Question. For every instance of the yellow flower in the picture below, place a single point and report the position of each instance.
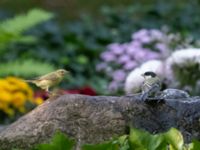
(4, 84)
(3, 105)
(19, 99)
(29, 94)
(14, 93)
(17, 82)
(20, 85)
(5, 108)
(12, 80)
(5, 96)
(38, 100)
(22, 109)
(9, 111)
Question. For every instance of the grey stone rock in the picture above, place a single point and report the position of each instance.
(174, 94)
(93, 119)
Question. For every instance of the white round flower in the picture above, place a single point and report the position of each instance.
(156, 66)
(181, 59)
(134, 79)
(184, 57)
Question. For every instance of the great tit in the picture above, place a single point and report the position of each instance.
(151, 85)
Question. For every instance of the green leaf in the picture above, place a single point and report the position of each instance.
(26, 39)
(59, 142)
(142, 140)
(26, 68)
(174, 138)
(195, 145)
(103, 146)
(82, 59)
(22, 23)
(123, 142)
(12, 29)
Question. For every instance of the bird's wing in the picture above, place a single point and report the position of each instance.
(155, 87)
(148, 91)
(153, 81)
(50, 76)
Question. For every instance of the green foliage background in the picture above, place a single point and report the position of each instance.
(12, 32)
(77, 43)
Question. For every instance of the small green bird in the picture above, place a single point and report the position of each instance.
(49, 80)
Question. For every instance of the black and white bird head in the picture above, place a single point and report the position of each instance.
(149, 74)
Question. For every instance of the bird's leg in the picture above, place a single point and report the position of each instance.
(47, 90)
(51, 93)
(144, 96)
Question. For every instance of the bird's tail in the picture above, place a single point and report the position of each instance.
(29, 81)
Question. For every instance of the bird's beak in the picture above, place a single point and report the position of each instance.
(67, 72)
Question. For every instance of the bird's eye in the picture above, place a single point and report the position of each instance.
(62, 72)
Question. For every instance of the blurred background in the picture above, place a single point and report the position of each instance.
(105, 45)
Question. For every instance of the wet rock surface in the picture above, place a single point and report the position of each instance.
(93, 119)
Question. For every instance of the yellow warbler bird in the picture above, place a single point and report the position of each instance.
(49, 80)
